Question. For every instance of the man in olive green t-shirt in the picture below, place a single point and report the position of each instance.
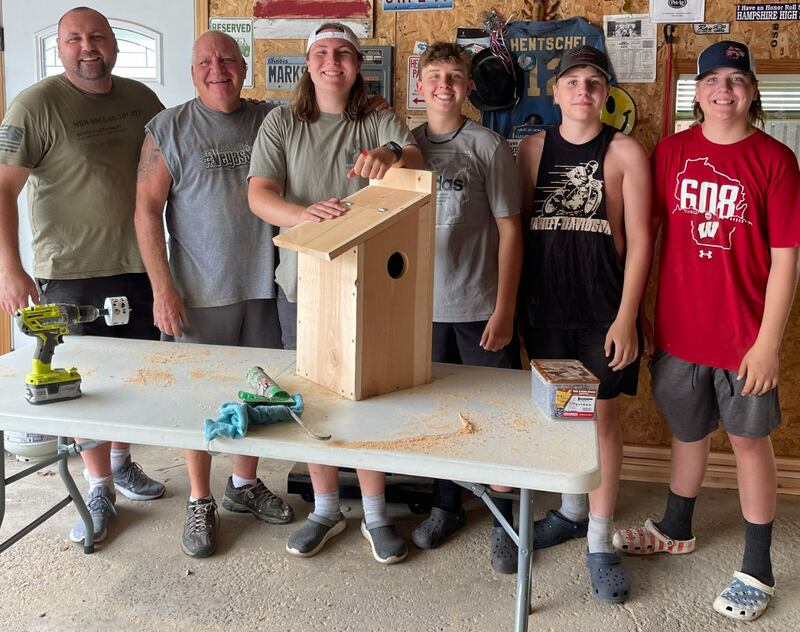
(75, 139)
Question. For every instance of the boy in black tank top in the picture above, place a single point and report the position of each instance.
(586, 210)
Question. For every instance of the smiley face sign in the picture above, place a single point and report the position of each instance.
(619, 110)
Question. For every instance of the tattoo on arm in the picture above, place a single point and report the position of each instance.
(148, 158)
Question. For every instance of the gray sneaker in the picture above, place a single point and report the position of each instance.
(257, 500)
(132, 482)
(100, 503)
(309, 539)
(200, 530)
(387, 547)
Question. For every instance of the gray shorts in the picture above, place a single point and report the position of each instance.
(695, 398)
(247, 324)
(287, 312)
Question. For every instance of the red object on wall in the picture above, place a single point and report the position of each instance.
(324, 9)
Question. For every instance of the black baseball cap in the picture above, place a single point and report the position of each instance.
(725, 54)
(585, 56)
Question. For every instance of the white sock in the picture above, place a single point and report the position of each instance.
(574, 507)
(374, 508)
(327, 505)
(599, 535)
(192, 499)
(118, 457)
(96, 481)
(238, 481)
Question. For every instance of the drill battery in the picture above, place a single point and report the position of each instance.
(57, 385)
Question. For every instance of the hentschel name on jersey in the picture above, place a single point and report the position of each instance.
(535, 44)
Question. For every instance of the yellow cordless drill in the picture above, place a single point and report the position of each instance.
(49, 323)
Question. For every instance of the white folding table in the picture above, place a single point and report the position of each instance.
(469, 424)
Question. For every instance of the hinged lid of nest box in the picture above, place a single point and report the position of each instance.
(373, 209)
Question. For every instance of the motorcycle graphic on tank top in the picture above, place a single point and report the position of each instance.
(580, 194)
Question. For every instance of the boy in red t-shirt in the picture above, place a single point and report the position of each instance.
(727, 197)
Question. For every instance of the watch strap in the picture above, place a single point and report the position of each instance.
(396, 149)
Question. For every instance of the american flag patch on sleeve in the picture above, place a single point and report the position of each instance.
(10, 137)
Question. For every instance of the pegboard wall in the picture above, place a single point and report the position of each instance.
(642, 423)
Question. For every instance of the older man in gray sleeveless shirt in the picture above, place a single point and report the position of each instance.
(217, 286)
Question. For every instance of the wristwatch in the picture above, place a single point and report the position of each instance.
(395, 149)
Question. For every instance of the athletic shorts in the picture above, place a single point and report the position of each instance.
(585, 345)
(287, 312)
(94, 291)
(694, 398)
(458, 343)
(247, 324)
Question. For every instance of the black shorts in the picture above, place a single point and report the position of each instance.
(458, 343)
(585, 345)
(94, 291)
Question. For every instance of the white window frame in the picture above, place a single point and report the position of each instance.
(156, 36)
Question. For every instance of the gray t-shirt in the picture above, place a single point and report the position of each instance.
(477, 182)
(219, 252)
(82, 150)
(310, 162)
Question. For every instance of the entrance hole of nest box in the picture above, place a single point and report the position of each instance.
(396, 265)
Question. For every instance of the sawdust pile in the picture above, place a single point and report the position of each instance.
(418, 443)
(151, 377)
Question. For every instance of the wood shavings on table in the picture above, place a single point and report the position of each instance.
(183, 355)
(466, 425)
(521, 422)
(417, 443)
(214, 376)
(151, 377)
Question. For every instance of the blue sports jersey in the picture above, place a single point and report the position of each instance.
(537, 47)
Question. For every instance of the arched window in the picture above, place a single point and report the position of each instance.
(139, 52)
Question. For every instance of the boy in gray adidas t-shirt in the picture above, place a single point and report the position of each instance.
(478, 258)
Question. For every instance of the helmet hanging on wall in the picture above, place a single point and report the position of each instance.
(498, 84)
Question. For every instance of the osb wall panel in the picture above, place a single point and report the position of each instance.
(642, 423)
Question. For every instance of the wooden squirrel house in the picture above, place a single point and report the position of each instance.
(365, 288)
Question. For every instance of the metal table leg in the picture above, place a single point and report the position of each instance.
(2, 478)
(74, 493)
(64, 452)
(523, 540)
(524, 560)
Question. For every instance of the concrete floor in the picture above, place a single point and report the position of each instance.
(140, 580)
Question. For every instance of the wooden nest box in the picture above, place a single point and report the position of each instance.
(365, 289)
